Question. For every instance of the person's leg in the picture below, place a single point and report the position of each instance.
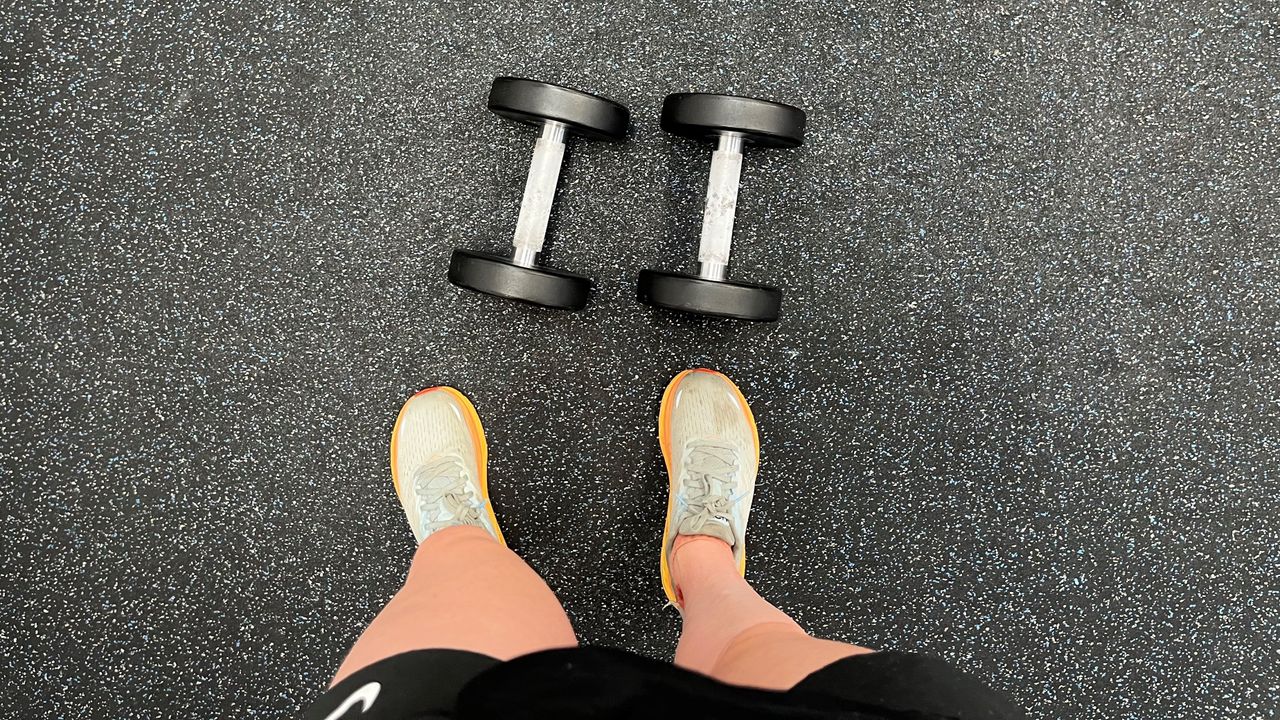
(709, 440)
(465, 589)
(733, 634)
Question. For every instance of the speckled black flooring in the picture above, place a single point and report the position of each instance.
(1022, 411)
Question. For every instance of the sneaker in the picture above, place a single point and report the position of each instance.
(438, 459)
(709, 441)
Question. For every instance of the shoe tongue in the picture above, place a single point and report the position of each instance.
(711, 528)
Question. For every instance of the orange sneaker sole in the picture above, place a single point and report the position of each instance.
(476, 430)
(664, 440)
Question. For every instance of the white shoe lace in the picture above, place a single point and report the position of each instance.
(445, 496)
(709, 489)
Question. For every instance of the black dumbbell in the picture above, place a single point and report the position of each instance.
(558, 111)
(732, 122)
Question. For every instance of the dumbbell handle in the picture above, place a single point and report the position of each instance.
(539, 194)
(722, 205)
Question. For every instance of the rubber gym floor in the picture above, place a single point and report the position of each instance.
(1022, 409)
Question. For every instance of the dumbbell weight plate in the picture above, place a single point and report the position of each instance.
(497, 275)
(535, 102)
(720, 298)
(705, 115)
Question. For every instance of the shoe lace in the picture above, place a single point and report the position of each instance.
(444, 494)
(710, 482)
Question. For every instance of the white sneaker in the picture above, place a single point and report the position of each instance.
(438, 464)
(709, 441)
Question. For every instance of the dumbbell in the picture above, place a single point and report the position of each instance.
(732, 122)
(558, 111)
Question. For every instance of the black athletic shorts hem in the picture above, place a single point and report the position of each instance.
(607, 683)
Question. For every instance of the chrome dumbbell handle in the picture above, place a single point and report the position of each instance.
(722, 205)
(539, 194)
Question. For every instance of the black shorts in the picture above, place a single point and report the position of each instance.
(606, 683)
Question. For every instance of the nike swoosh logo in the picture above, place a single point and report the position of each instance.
(365, 696)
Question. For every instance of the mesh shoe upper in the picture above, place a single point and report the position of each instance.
(438, 459)
(713, 460)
